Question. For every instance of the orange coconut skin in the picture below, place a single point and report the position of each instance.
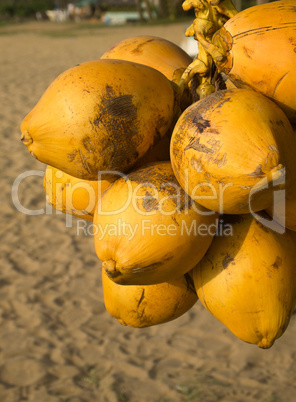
(159, 53)
(100, 115)
(143, 306)
(259, 45)
(247, 280)
(227, 147)
(142, 228)
(71, 195)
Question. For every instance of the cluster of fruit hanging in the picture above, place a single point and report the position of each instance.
(186, 168)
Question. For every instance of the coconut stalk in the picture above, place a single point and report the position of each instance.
(210, 16)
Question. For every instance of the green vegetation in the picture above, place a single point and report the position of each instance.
(92, 377)
(23, 8)
(10, 9)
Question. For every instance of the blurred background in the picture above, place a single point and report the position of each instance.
(101, 11)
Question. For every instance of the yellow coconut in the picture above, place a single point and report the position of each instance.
(143, 306)
(159, 53)
(100, 115)
(247, 279)
(71, 195)
(79, 197)
(147, 230)
(227, 148)
(256, 48)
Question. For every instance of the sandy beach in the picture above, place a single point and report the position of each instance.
(57, 341)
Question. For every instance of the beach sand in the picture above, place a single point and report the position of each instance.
(57, 341)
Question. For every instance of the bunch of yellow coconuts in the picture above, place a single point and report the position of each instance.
(186, 168)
